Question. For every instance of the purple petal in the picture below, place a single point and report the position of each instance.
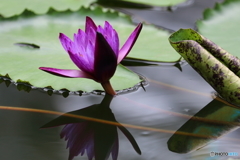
(105, 60)
(83, 55)
(67, 73)
(129, 43)
(90, 148)
(65, 41)
(90, 24)
(80, 139)
(77, 52)
(91, 35)
(82, 62)
(115, 149)
(111, 36)
(80, 42)
(90, 46)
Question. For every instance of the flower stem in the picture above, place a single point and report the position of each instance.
(108, 88)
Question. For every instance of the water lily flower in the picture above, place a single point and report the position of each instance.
(95, 52)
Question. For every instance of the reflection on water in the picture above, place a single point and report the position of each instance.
(160, 111)
(171, 99)
(210, 123)
(92, 130)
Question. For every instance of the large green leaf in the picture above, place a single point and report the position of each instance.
(158, 2)
(15, 7)
(21, 63)
(157, 48)
(218, 67)
(221, 25)
(152, 45)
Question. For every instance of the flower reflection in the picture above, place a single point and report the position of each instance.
(81, 138)
(98, 140)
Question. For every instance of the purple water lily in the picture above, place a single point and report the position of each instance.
(95, 52)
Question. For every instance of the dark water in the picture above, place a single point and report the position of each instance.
(170, 99)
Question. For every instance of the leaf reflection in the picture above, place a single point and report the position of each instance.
(96, 138)
(209, 123)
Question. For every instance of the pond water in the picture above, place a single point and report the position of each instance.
(171, 98)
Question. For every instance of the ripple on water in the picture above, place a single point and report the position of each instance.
(145, 133)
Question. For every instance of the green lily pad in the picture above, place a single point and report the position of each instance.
(21, 62)
(158, 3)
(152, 45)
(15, 7)
(221, 25)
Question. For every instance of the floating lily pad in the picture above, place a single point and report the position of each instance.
(15, 7)
(153, 45)
(20, 60)
(221, 25)
(158, 2)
